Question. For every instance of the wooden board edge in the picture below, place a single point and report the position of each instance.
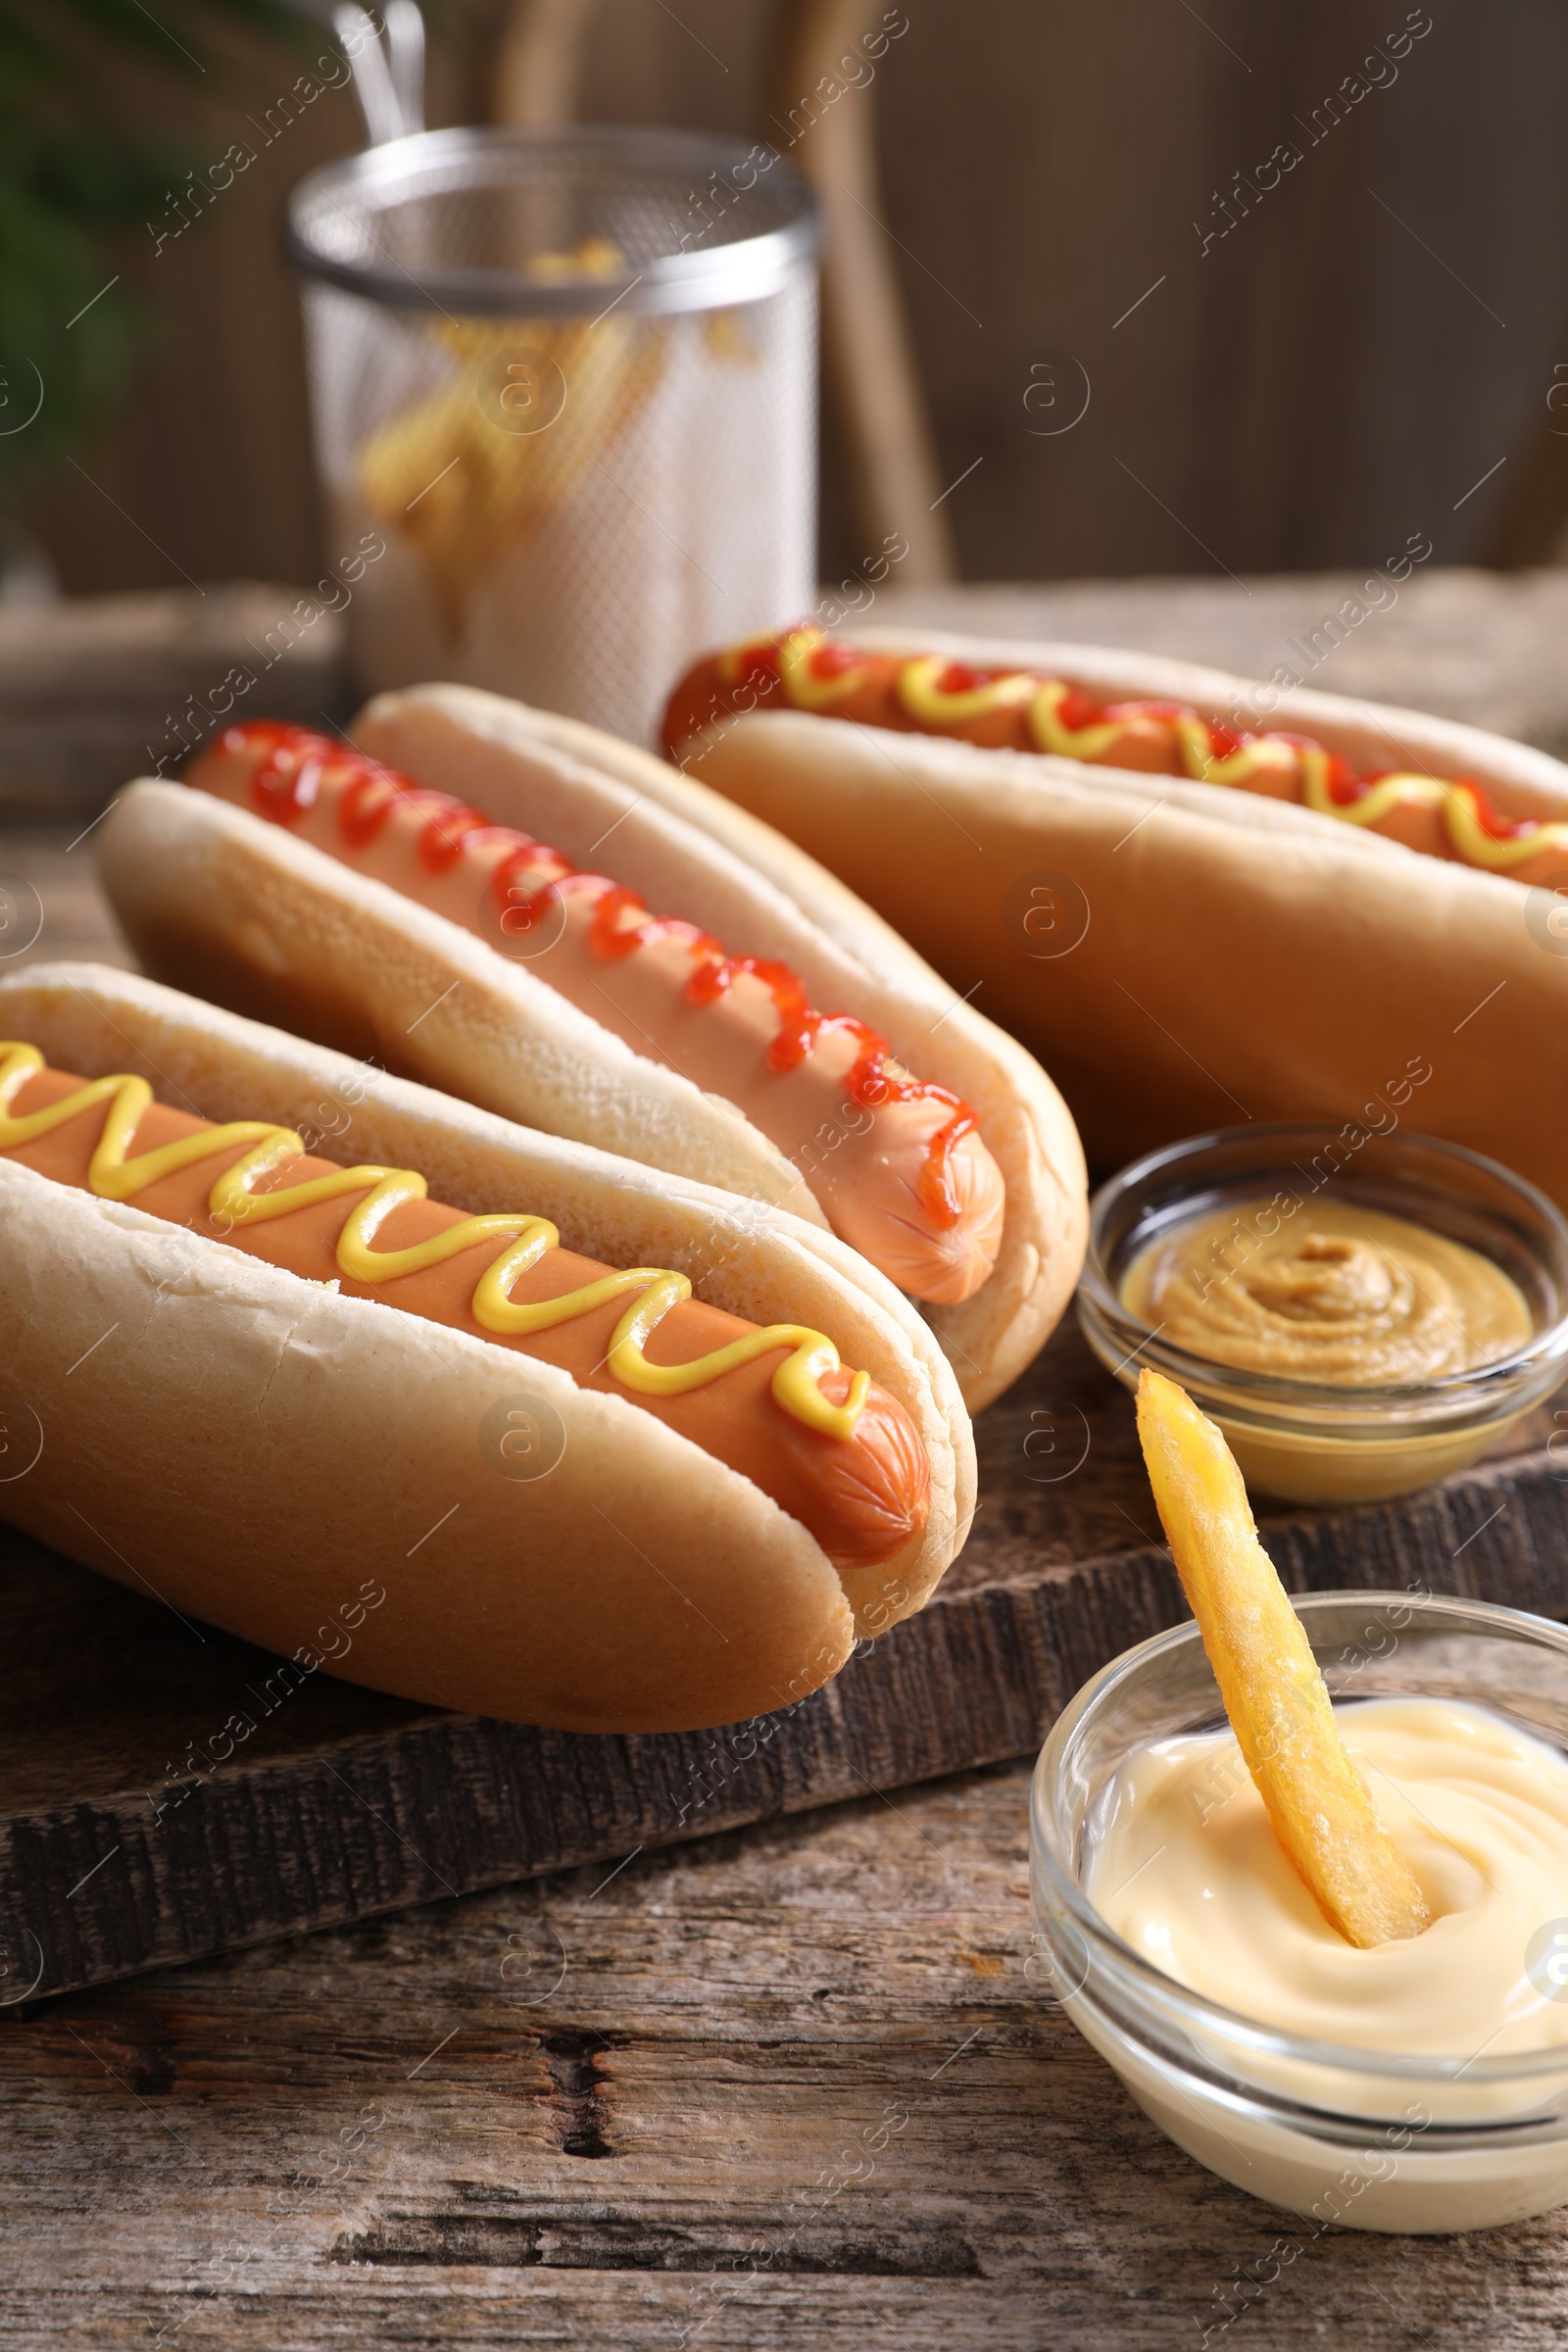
(101, 1888)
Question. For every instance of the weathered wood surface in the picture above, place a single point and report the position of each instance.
(97, 689)
(796, 2086)
(644, 2106)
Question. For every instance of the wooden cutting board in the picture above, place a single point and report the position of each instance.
(164, 1796)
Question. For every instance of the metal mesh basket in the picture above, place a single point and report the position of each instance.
(564, 393)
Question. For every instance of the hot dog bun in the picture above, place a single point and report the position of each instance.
(219, 901)
(1186, 955)
(252, 1446)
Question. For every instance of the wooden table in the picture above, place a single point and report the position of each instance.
(797, 2085)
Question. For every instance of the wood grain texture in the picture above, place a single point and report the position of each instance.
(797, 2086)
(867, 358)
(96, 690)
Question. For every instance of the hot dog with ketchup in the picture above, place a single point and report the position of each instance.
(244, 1266)
(915, 1190)
(1029, 709)
(555, 925)
(1201, 902)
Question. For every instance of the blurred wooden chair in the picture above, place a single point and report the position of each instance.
(868, 357)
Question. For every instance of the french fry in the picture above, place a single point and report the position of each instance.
(462, 492)
(1274, 1694)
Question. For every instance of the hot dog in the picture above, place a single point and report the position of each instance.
(793, 1494)
(1202, 902)
(843, 1460)
(559, 927)
(1029, 709)
(916, 1190)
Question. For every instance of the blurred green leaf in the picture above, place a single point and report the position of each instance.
(73, 172)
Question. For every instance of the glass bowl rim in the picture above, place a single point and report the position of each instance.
(1337, 1402)
(1195, 2011)
(738, 269)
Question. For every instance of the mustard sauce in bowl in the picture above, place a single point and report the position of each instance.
(1362, 1313)
(1340, 1292)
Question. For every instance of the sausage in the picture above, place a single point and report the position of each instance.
(1026, 711)
(804, 670)
(897, 1164)
(863, 1497)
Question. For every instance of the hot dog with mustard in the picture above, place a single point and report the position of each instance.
(1021, 708)
(1201, 901)
(740, 1490)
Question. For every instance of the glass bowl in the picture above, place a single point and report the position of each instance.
(1345, 2136)
(1304, 1439)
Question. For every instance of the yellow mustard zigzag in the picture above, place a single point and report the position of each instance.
(929, 703)
(114, 1176)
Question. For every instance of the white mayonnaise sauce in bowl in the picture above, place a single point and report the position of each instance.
(1417, 2085)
